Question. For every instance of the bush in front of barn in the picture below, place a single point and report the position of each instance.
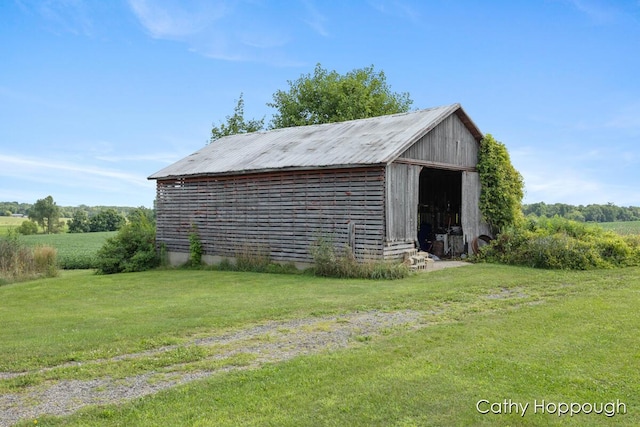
(132, 249)
(559, 243)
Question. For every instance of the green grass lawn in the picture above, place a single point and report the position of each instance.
(493, 333)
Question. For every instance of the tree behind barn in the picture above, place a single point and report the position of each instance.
(328, 97)
(324, 97)
(236, 123)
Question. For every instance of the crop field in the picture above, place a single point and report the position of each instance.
(8, 222)
(622, 227)
(477, 345)
(75, 250)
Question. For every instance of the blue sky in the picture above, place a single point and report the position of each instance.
(97, 95)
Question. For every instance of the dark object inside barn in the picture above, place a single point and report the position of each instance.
(440, 212)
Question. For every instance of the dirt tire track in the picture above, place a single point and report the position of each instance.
(286, 340)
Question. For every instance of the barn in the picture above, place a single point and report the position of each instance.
(380, 186)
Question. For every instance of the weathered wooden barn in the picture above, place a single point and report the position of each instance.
(372, 184)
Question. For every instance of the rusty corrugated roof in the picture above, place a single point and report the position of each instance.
(376, 140)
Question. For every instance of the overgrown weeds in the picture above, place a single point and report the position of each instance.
(21, 262)
(332, 262)
(44, 259)
(256, 258)
(328, 262)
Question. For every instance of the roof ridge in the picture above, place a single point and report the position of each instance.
(370, 141)
(348, 121)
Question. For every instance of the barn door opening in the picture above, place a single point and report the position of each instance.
(439, 212)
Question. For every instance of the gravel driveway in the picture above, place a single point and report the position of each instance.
(268, 342)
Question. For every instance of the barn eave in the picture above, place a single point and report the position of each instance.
(266, 171)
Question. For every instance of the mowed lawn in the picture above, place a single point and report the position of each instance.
(490, 333)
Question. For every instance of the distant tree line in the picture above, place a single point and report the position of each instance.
(11, 208)
(83, 219)
(588, 213)
(105, 220)
(14, 208)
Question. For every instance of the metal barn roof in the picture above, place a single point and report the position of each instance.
(376, 140)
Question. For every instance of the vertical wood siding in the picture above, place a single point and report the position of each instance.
(284, 212)
(403, 183)
(472, 223)
(450, 142)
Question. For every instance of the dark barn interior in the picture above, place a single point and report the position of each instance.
(439, 211)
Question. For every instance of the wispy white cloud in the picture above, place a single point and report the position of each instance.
(261, 35)
(36, 168)
(166, 158)
(177, 19)
(199, 24)
(316, 20)
(73, 182)
(63, 16)
(225, 30)
(596, 11)
(575, 177)
(29, 98)
(565, 186)
(626, 118)
(397, 8)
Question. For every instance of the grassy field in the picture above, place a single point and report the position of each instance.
(622, 227)
(487, 333)
(8, 222)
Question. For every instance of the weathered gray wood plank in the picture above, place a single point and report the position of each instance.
(285, 211)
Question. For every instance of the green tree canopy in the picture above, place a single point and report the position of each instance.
(47, 214)
(79, 222)
(106, 220)
(502, 185)
(236, 123)
(327, 97)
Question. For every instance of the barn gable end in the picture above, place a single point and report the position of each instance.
(448, 145)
